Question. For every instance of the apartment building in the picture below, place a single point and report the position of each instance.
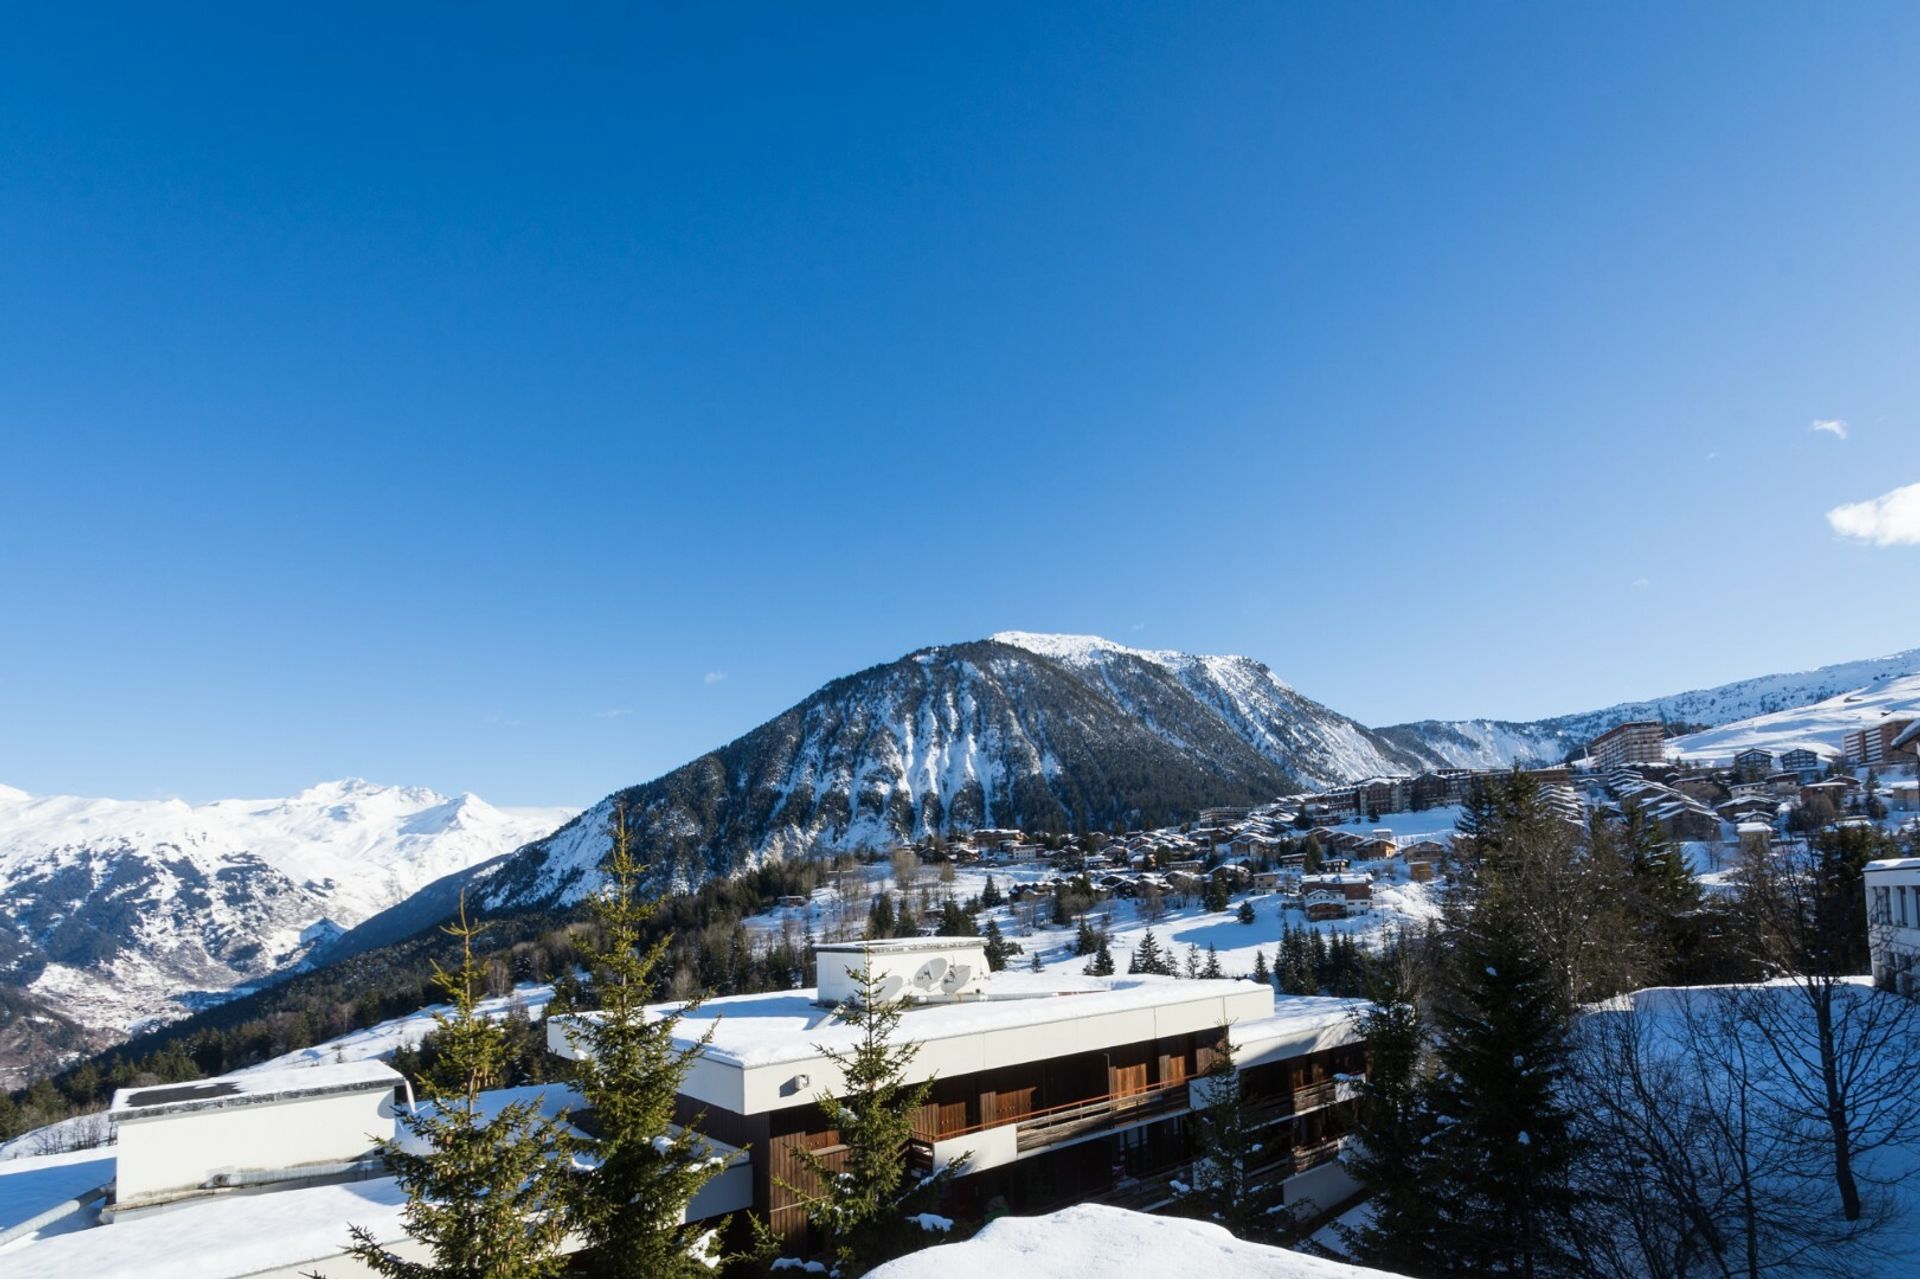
(1640, 742)
(1752, 765)
(1878, 745)
(1893, 923)
(1057, 1089)
(1802, 761)
(1336, 895)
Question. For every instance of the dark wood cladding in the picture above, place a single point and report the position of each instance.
(1154, 1072)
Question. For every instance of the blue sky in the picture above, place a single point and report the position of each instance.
(526, 401)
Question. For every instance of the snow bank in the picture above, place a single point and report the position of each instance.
(1095, 1240)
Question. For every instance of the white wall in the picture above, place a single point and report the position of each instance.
(181, 1151)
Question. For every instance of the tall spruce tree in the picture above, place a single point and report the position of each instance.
(1503, 1148)
(486, 1193)
(998, 948)
(1665, 895)
(868, 1195)
(1101, 965)
(1391, 1155)
(644, 1171)
(1149, 958)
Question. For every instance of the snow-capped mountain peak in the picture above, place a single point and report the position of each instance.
(1046, 732)
(119, 909)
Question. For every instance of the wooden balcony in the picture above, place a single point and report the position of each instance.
(1143, 1194)
(1064, 1123)
(1305, 1157)
(1038, 1129)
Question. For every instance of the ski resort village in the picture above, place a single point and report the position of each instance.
(1648, 1009)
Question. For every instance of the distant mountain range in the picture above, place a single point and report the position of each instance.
(1483, 743)
(1053, 732)
(1043, 732)
(118, 912)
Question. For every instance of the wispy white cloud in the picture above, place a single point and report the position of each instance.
(613, 712)
(713, 677)
(1892, 519)
(1714, 456)
(1138, 626)
(1641, 583)
(1831, 425)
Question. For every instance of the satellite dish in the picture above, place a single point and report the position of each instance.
(957, 976)
(890, 988)
(930, 973)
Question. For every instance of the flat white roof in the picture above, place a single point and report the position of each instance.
(790, 1026)
(254, 1087)
(900, 945)
(222, 1237)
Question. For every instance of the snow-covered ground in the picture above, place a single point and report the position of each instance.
(1818, 727)
(1892, 1170)
(837, 913)
(1093, 1240)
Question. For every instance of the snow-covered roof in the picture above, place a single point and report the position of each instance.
(254, 1087)
(218, 1238)
(791, 1026)
(1092, 1239)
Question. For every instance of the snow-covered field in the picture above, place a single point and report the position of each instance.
(1890, 1172)
(1818, 727)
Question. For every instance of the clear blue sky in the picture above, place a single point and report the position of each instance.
(525, 399)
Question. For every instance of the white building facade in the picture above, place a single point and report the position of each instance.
(1893, 923)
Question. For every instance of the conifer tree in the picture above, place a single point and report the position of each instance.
(1085, 942)
(1212, 967)
(997, 948)
(1246, 915)
(485, 1194)
(628, 1205)
(1221, 1186)
(1034, 964)
(1503, 1146)
(905, 923)
(955, 922)
(1148, 957)
(990, 894)
(1190, 966)
(1666, 894)
(1261, 973)
(880, 916)
(1391, 1155)
(869, 1194)
(1101, 965)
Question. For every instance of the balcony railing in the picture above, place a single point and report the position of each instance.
(1040, 1128)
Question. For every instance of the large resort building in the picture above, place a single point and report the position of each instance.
(1056, 1089)
(1640, 742)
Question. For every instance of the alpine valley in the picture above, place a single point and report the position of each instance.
(123, 913)
(120, 913)
(1055, 732)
